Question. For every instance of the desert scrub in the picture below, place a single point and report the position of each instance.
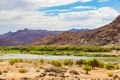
(80, 62)
(1, 60)
(117, 66)
(35, 64)
(19, 60)
(0, 72)
(109, 66)
(13, 61)
(110, 74)
(5, 71)
(87, 68)
(23, 71)
(42, 61)
(94, 63)
(37, 70)
(68, 62)
(56, 63)
(28, 61)
(12, 79)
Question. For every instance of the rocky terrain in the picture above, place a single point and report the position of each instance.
(107, 35)
(34, 70)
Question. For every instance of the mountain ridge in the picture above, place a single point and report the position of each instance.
(22, 37)
(103, 36)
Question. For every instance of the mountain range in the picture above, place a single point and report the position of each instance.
(22, 37)
(106, 35)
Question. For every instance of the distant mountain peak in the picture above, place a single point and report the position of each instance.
(117, 20)
(79, 30)
(22, 37)
(26, 29)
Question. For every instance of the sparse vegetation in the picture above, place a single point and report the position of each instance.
(68, 62)
(60, 66)
(117, 66)
(56, 63)
(110, 74)
(1, 72)
(42, 61)
(13, 61)
(109, 66)
(1, 60)
(5, 71)
(87, 68)
(80, 62)
(94, 63)
(23, 70)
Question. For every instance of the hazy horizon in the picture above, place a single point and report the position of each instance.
(56, 15)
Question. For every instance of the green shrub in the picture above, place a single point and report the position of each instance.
(101, 65)
(42, 61)
(80, 62)
(56, 63)
(117, 66)
(12, 61)
(110, 74)
(68, 62)
(28, 61)
(1, 60)
(109, 66)
(23, 70)
(19, 60)
(94, 63)
(35, 64)
(87, 68)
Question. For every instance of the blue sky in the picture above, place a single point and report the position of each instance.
(56, 14)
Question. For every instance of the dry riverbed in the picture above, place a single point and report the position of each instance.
(35, 70)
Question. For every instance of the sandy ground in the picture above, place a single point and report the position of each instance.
(11, 72)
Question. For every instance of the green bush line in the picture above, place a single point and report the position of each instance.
(61, 50)
(58, 48)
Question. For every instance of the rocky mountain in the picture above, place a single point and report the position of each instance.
(22, 37)
(106, 35)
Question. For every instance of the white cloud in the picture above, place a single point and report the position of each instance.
(93, 18)
(85, 7)
(34, 4)
(13, 4)
(35, 19)
(103, 0)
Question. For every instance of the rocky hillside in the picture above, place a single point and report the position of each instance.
(106, 35)
(22, 37)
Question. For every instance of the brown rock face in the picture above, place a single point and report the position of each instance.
(106, 35)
